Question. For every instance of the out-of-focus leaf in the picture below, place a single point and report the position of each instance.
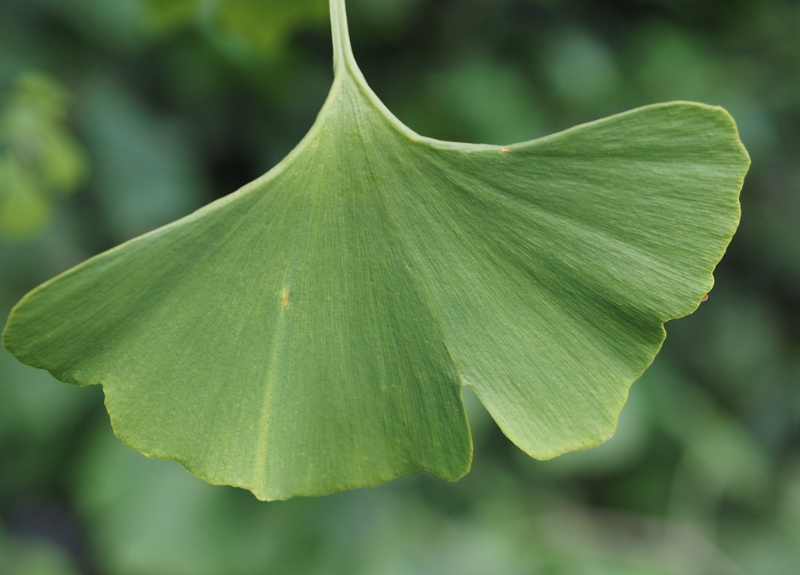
(39, 158)
(252, 26)
(165, 16)
(22, 207)
(266, 25)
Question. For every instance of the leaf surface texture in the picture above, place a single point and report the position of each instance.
(312, 331)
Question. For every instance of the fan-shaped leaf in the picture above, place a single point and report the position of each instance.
(311, 332)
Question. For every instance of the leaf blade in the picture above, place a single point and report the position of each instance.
(561, 211)
(311, 332)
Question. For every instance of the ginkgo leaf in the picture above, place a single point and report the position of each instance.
(312, 331)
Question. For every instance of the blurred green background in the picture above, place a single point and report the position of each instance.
(120, 116)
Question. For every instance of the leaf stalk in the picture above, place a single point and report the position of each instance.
(342, 50)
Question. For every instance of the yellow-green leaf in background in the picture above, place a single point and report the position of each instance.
(39, 158)
(23, 208)
(266, 26)
(312, 331)
(169, 15)
(263, 26)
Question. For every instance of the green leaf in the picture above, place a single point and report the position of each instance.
(39, 158)
(312, 331)
(263, 26)
(266, 25)
(22, 207)
(164, 16)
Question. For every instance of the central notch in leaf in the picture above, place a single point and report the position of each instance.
(540, 274)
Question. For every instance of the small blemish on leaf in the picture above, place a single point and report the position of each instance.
(705, 298)
(505, 149)
(285, 297)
